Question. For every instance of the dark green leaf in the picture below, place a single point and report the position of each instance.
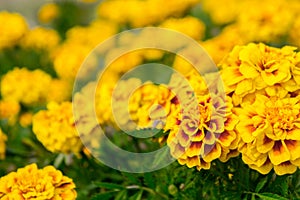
(103, 196)
(149, 180)
(261, 184)
(137, 196)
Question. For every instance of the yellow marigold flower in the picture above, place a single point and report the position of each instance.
(149, 105)
(16, 84)
(190, 26)
(68, 59)
(223, 12)
(93, 34)
(259, 20)
(199, 136)
(13, 27)
(256, 67)
(41, 39)
(269, 131)
(48, 12)
(59, 90)
(25, 119)
(3, 139)
(142, 13)
(9, 110)
(55, 128)
(33, 183)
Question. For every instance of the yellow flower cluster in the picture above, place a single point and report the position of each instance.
(263, 82)
(9, 110)
(33, 183)
(55, 128)
(13, 28)
(16, 84)
(142, 13)
(3, 139)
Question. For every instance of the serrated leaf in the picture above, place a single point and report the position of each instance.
(137, 196)
(270, 196)
(103, 196)
(109, 185)
(261, 184)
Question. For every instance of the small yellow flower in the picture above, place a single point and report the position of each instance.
(48, 12)
(33, 183)
(3, 139)
(41, 39)
(59, 90)
(55, 128)
(13, 27)
(25, 119)
(9, 110)
(16, 84)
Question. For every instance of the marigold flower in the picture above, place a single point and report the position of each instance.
(13, 27)
(55, 128)
(41, 39)
(190, 26)
(269, 134)
(3, 139)
(48, 12)
(59, 90)
(17, 82)
(25, 119)
(33, 183)
(257, 67)
(199, 136)
(9, 110)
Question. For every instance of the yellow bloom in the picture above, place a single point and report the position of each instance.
(25, 119)
(16, 84)
(55, 128)
(254, 67)
(33, 183)
(48, 12)
(9, 110)
(3, 139)
(59, 90)
(190, 26)
(13, 27)
(41, 39)
(269, 127)
(294, 34)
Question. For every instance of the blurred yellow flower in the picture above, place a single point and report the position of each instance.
(16, 84)
(33, 183)
(3, 139)
(269, 134)
(189, 25)
(55, 128)
(13, 27)
(25, 119)
(41, 39)
(9, 110)
(48, 12)
(59, 90)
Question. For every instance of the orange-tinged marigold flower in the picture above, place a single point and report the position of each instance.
(55, 128)
(33, 183)
(269, 130)
(199, 131)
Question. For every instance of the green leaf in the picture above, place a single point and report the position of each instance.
(149, 180)
(103, 196)
(137, 196)
(109, 185)
(122, 195)
(261, 184)
(270, 196)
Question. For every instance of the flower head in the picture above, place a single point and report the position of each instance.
(55, 128)
(33, 183)
(3, 139)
